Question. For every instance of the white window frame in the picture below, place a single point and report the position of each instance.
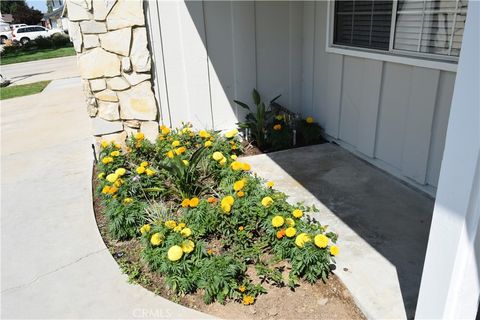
(420, 59)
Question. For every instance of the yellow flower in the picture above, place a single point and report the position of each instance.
(229, 200)
(101, 175)
(290, 222)
(140, 170)
(240, 194)
(107, 160)
(302, 239)
(267, 202)
(177, 228)
(186, 163)
(180, 150)
(278, 221)
(248, 300)
(242, 288)
(185, 203)
(117, 145)
(334, 250)
(194, 202)
(204, 134)
(127, 200)
(120, 172)
(165, 130)
(115, 153)
(270, 184)
(233, 157)
(139, 136)
(156, 239)
(113, 189)
(118, 183)
(104, 144)
(186, 232)
(170, 224)
(187, 246)
(290, 232)
(238, 185)
(241, 228)
(321, 240)
(144, 164)
(226, 207)
(106, 189)
(217, 156)
(231, 133)
(277, 127)
(223, 161)
(208, 144)
(297, 213)
(149, 172)
(112, 177)
(309, 120)
(145, 229)
(175, 143)
(175, 253)
(182, 224)
(246, 166)
(170, 154)
(236, 165)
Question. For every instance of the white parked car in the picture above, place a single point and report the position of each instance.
(27, 33)
(5, 32)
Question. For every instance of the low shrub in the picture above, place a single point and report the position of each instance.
(204, 219)
(55, 41)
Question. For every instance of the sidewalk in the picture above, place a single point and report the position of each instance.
(54, 263)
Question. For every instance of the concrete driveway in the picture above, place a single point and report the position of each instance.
(54, 263)
(33, 71)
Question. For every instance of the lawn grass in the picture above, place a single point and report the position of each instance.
(37, 55)
(22, 90)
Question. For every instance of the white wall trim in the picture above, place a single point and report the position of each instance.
(394, 57)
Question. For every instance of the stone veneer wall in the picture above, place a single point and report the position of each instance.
(111, 43)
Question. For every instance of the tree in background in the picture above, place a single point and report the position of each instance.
(21, 12)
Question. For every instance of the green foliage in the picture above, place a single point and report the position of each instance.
(124, 220)
(309, 133)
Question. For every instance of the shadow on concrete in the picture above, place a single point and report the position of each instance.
(26, 76)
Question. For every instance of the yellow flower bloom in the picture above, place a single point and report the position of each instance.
(117, 145)
(297, 213)
(241, 228)
(186, 163)
(321, 240)
(267, 202)
(186, 232)
(270, 184)
(247, 300)
(236, 165)
(277, 127)
(170, 154)
(140, 170)
(145, 229)
(165, 130)
(127, 200)
(112, 177)
(185, 203)
(156, 239)
(180, 150)
(334, 250)
(107, 160)
(115, 153)
(238, 185)
(118, 183)
(217, 156)
(120, 172)
(290, 232)
(302, 239)
(106, 189)
(149, 172)
(208, 144)
(175, 253)
(139, 136)
(170, 224)
(229, 200)
(177, 229)
(187, 246)
(204, 134)
(246, 166)
(226, 207)
(290, 222)
(231, 133)
(222, 161)
(242, 288)
(309, 119)
(144, 164)
(240, 194)
(278, 221)
(194, 202)
(182, 224)
(175, 143)
(101, 175)
(113, 189)
(104, 144)
(233, 157)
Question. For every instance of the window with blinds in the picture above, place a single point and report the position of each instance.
(421, 27)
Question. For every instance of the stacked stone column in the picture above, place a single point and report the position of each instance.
(114, 62)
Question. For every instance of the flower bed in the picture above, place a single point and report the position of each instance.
(206, 224)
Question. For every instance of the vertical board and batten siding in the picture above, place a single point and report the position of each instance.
(206, 54)
(394, 114)
(212, 52)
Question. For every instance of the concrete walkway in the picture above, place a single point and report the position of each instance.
(383, 224)
(54, 263)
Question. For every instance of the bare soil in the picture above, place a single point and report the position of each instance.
(330, 300)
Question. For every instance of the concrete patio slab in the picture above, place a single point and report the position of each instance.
(383, 224)
(54, 263)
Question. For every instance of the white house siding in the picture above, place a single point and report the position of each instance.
(208, 53)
